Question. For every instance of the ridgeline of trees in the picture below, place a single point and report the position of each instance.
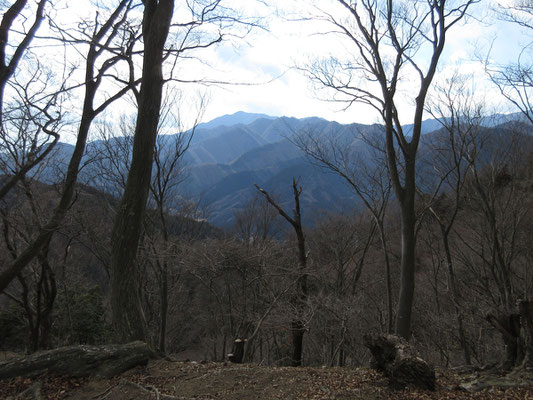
(439, 253)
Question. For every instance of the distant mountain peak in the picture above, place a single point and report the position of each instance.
(240, 117)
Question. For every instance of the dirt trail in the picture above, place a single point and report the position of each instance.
(167, 380)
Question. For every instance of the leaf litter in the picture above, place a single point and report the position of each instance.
(168, 380)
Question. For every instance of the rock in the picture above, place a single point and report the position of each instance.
(78, 361)
(400, 362)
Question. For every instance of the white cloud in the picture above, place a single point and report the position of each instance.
(269, 54)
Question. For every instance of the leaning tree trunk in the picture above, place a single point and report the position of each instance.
(128, 317)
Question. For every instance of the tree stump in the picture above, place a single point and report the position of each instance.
(238, 351)
(79, 361)
(400, 362)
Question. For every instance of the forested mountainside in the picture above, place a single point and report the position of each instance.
(209, 286)
(230, 154)
(402, 244)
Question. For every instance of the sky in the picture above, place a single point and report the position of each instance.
(265, 61)
(261, 65)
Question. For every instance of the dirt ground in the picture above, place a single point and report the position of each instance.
(167, 380)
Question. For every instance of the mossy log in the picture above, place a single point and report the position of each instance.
(400, 362)
(103, 361)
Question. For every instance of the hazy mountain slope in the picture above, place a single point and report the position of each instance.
(273, 155)
(238, 118)
(225, 147)
(228, 155)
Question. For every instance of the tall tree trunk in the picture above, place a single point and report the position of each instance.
(298, 325)
(128, 317)
(300, 297)
(407, 280)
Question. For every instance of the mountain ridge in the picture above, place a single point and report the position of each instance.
(225, 161)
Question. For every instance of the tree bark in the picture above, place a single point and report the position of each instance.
(128, 317)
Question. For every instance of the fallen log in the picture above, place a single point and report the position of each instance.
(103, 361)
(400, 362)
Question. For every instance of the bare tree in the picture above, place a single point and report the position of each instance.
(341, 246)
(187, 37)
(392, 41)
(9, 66)
(168, 174)
(360, 162)
(450, 156)
(515, 80)
(28, 131)
(298, 327)
(99, 37)
(37, 288)
(256, 221)
(110, 162)
(492, 235)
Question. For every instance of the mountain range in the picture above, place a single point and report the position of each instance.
(230, 154)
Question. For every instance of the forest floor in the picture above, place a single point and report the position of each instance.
(167, 380)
